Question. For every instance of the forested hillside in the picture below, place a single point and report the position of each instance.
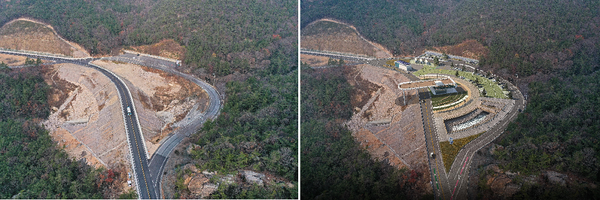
(558, 131)
(532, 38)
(219, 36)
(254, 38)
(334, 165)
(550, 49)
(31, 165)
(257, 130)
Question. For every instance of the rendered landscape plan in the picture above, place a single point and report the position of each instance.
(300, 99)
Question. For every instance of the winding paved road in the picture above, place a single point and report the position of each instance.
(147, 175)
(137, 149)
(160, 157)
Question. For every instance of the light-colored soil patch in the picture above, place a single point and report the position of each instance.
(11, 60)
(30, 35)
(168, 48)
(162, 100)
(400, 142)
(314, 61)
(86, 115)
(468, 48)
(332, 35)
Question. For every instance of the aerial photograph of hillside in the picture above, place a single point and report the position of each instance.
(145, 99)
(461, 99)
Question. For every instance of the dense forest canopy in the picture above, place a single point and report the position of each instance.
(334, 165)
(529, 38)
(31, 165)
(559, 131)
(256, 130)
(219, 36)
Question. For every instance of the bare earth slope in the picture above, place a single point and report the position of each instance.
(27, 34)
(167, 48)
(467, 48)
(331, 35)
(386, 127)
(162, 100)
(83, 119)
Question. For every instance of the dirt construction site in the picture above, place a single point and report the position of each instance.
(85, 118)
(85, 112)
(383, 124)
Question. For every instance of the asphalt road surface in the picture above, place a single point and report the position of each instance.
(146, 189)
(461, 166)
(436, 166)
(337, 56)
(144, 180)
(161, 156)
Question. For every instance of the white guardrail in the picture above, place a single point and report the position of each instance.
(37, 53)
(133, 107)
(153, 56)
(340, 54)
(137, 185)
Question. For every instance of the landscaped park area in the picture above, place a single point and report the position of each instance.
(492, 88)
(445, 99)
(449, 151)
(464, 120)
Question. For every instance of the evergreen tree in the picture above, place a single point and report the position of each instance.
(331, 61)
(4, 67)
(29, 61)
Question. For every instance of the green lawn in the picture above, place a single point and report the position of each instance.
(492, 89)
(439, 100)
(390, 62)
(449, 151)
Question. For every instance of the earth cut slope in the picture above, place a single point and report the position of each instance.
(332, 35)
(163, 101)
(383, 124)
(30, 35)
